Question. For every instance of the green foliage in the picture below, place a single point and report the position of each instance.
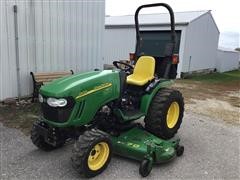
(218, 77)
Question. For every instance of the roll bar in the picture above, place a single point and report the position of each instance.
(172, 20)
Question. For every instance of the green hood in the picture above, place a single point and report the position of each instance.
(72, 85)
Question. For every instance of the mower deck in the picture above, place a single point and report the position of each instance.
(139, 144)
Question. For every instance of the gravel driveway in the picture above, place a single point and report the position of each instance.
(211, 151)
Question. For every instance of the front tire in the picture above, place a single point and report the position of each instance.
(165, 113)
(92, 153)
(39, 141)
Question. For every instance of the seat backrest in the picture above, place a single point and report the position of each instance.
(145, 66)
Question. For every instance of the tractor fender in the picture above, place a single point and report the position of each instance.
(147, 98)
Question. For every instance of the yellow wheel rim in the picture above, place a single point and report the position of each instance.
(173, 114)
(98, 156)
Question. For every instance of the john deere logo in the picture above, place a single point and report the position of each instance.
(95, 89)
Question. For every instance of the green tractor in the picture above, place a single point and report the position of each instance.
(100, 110)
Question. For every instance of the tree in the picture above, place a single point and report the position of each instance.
(237, 49)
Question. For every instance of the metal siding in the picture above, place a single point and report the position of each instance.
(60, 43)
(227, 60)
(24, 45)
(11, 78)
(201, 45)
(118, 44)
(53, 36)
(99, 37)
(181, 52)
(7, 53)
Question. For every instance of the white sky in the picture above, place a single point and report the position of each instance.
(225, 12)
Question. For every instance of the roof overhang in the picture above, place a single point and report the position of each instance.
(107, 26)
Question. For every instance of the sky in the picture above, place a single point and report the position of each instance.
(225, 12)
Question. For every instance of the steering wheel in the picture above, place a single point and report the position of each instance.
(128, 67)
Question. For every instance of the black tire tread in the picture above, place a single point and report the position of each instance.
(157, 113)
(39, 141)
(81, 148)
(143, 169)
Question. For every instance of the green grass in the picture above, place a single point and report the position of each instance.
(218, 77)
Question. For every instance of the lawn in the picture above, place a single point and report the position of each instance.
(218, 77)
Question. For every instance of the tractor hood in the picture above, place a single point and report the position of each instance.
(75, 84)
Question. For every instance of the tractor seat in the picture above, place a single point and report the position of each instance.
(143, 71)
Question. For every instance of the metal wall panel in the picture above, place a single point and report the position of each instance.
(8, 76)
(227, 60)
(118, 43)
(201, 44)
(53, 36)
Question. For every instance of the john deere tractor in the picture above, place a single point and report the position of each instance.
(100, 110)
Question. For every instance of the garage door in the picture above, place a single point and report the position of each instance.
(154, 42)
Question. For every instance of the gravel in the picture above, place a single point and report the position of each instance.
(211, 152)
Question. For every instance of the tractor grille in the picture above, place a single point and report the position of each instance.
(57, 114)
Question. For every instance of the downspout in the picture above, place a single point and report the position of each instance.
(17, 50)
(189, 64)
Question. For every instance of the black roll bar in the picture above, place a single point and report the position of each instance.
(172, 21)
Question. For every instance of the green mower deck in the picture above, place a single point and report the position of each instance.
(141, 145)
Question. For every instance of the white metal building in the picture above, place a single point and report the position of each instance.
(45, 35)
(227, 60)
(197, 37)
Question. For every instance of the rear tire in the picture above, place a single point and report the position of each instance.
(92, 153)
(165, 113)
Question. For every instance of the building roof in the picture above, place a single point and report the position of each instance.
(181, 18)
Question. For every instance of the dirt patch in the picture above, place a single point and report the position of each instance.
(20, 116)
(217, 100)
(215, 108)
(235, 94)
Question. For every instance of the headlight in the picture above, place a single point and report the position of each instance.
(40, 98)
(53, 102)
